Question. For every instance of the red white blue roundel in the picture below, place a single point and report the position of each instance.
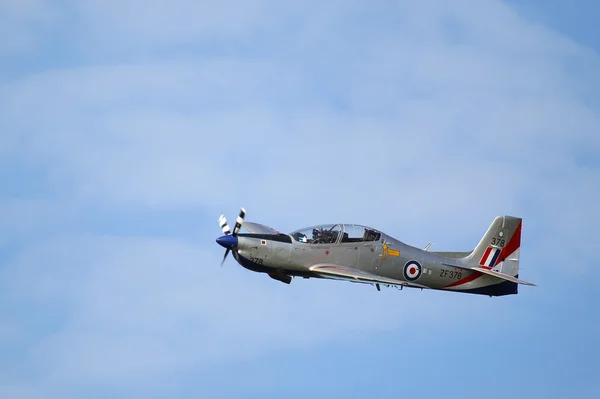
(412, 270)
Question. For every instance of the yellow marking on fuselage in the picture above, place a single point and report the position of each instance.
(388, 251)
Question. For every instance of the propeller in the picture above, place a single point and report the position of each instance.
(225, 240)
(224, 225)
(239, 221)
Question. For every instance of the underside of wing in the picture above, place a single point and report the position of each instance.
(358, 276)
(257, 228)
(489, 272)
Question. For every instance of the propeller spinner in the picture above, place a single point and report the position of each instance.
(229, 241)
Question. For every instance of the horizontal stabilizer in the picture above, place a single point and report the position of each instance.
(501, 275)
(489, 272)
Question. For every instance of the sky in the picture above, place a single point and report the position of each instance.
(128, 127)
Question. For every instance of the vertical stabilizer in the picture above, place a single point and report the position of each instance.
(499, 248)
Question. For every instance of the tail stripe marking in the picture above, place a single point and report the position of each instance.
(465, 280)
(495, 258)
(490, 257)
(485, 255)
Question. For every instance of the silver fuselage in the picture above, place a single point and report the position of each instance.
(386, 257)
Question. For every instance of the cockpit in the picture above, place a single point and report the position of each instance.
(332, 233)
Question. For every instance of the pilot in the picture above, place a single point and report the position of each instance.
(323, 236)
(317, 233)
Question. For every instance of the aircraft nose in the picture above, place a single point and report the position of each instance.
(227, 241)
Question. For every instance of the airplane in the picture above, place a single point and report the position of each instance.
(360, 254)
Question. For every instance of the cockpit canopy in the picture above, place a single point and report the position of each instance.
(331, 233)
(323, 234)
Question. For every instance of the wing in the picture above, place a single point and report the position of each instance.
(257, 228)
(358, 276)
(489, 272)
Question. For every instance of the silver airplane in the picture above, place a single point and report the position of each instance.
(362, 254)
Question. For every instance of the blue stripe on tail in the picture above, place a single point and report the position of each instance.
(495, 258)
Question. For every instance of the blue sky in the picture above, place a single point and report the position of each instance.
(128, 127)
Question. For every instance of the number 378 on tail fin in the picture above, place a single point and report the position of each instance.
(362, 254)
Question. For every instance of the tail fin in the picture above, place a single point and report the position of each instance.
(496, 255)
(499, 248)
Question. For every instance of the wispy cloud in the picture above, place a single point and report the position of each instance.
(420, 119)
(22, 22)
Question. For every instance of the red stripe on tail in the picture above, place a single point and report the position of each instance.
(485, 255)
(512, 246)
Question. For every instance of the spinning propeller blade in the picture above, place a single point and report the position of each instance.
(224, 257)
(239, 221)
(225, 228)
(224, 225)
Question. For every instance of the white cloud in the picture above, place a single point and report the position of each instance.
(429, 128)
(22, 22)
(423, 120)
(184, 20)
(135, 134)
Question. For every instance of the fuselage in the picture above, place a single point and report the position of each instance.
(284, 255)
